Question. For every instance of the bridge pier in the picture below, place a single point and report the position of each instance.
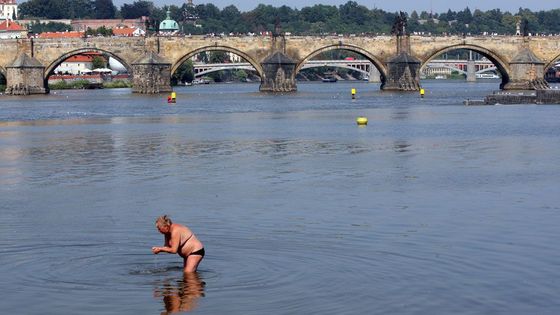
(151, 75)
(25, 76)
(374, 75)
(403, 73)
(471, 71)
(527, 72)
(279, 74)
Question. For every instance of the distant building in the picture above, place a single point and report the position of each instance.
(168, 26)
(8, 9)
(128, 32)
(83, 25)
(10, 29)
(78, 64)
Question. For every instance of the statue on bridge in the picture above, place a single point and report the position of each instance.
(400, 24)
(525, 27)
(522, 26)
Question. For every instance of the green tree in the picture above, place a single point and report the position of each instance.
(185, 73)
(51, 9)
(318, 19)
(98, 62)
(320, 13)
(137, 9)
(232, 16)
(218, 57)
(241, 75)
(101, 31)
(79, 9)
(37, 28)
(353, 13)
(104, 9)
(464, 17)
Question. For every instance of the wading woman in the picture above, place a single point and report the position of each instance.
(179, 239)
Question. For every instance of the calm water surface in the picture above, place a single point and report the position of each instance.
(433, 208)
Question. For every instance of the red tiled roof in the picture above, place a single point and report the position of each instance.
(85, 57)
(7, 1)
(92, 53)
(80, 58)
(61, 35)
(8, 25)
(125, 31)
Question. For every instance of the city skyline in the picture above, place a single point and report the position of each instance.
(403, 5)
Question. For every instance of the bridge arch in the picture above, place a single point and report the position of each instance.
(501, 66)
(307, 66)
(239, 67)
(552, 63)
(50, 68)
(3, 76)
(243, 55)
(373, 59)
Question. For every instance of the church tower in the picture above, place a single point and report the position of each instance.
(190, 13)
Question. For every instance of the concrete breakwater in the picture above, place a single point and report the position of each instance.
(524, 97)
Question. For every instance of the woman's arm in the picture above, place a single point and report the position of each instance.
(171, 245)
(166, 242)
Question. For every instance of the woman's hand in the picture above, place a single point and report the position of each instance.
(156, 250)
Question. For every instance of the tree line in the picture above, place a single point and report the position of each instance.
(347, 18)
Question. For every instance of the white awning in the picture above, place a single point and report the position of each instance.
(102, 70)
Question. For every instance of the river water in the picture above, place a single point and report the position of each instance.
(433, 208)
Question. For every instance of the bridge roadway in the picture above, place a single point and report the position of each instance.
(521, 61)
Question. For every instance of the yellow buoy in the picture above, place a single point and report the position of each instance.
(422, 92)
(362, 121)
(353, 93)
(173, 95)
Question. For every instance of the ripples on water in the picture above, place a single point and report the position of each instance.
(434, 208)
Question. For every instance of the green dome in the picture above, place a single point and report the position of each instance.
(168, 25)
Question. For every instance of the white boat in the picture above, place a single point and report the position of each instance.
(440, 77)
(200, 81)
(330, 80)
(487, 76)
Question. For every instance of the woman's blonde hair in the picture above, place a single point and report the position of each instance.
(164, 220)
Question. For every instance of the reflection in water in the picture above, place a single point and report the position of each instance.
(401, 146)
(182, 295)
(400, 114)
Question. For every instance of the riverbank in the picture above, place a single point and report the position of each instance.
(89, 81)
(84, 84)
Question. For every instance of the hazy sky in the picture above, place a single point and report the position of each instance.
(387, 5)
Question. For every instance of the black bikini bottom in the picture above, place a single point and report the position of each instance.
(199, 252)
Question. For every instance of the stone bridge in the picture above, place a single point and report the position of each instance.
(522, 61)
